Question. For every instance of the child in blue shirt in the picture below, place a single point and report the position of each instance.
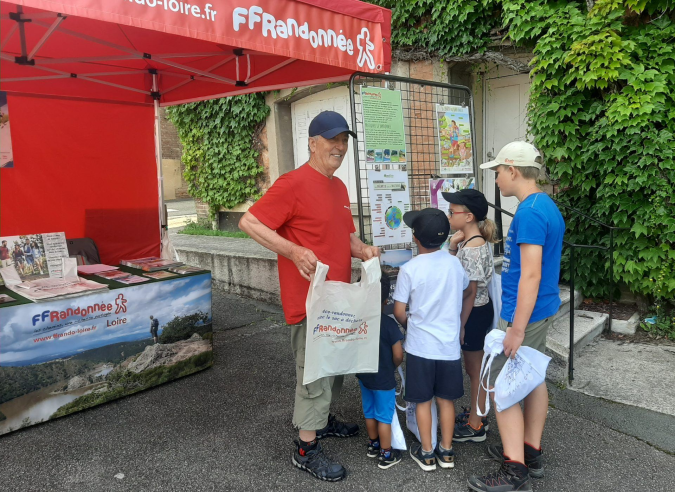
(378, 390)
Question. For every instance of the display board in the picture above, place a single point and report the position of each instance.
(390, 199)
(383, 125)
(454, 139)
(60, 357)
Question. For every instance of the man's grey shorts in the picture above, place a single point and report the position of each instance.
(312, 401)
(535, 337)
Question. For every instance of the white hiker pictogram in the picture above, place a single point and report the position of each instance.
(365, 49)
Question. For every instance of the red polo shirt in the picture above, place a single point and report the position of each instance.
(312, 211)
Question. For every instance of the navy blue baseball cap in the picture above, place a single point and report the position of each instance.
(329, 124)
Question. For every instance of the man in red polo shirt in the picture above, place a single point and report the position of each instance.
(305, 217)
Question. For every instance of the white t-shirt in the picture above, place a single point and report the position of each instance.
(433, 285)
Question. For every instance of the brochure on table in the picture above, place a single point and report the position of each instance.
(389, 200)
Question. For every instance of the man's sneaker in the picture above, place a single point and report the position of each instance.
(335, 428)
(465, 433)
(511, 476)
(318, 464)
(445, 458)
(426, 461)
(385, 462)
(533, 459)
(373, 449)
(463, 417)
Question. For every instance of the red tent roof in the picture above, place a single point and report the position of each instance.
(200, 49)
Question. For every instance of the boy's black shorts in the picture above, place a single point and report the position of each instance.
(426, 378)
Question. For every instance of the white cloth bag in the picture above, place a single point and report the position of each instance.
(494, 288)
(343, 324)
(397, 438)
(411, 416)
(519, 376)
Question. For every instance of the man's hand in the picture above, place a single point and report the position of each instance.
(512, 341)
(304, 259)
(369, 252)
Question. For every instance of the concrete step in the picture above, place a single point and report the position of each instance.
(565, 301)
(587, 326)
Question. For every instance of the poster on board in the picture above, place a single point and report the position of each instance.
(6, 155)
(454, 139)
(383, 125)
(448, 185)
(389, 200)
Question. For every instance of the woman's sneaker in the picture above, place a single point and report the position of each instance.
(387, 460)
(533, 459)
(445, 457)
(315, 462)
(463, 417)
(465, 433)
(427, 461)
(373, 449)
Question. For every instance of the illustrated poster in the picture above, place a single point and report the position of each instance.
(438, 186)
(454, 139)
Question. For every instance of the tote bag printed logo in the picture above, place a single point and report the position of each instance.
(343, 324)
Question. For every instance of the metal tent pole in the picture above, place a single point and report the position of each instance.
(158, 156)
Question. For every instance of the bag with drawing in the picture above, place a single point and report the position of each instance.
(343, 324)
(411, 416)
(519, 376)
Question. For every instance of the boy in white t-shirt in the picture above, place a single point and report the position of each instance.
(434, 285)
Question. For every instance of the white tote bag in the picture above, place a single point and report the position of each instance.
(343, 324)
(519, 376)
(494, 288)
(397, 438)
(411, 416)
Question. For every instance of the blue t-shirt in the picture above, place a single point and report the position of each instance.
(383, 379)
(537, 221)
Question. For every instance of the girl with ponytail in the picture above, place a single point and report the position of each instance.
(471, 245)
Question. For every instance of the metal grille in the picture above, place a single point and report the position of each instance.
(419, 99)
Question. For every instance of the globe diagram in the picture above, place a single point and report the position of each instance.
(392, 217)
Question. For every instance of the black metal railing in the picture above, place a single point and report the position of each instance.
(573, 247)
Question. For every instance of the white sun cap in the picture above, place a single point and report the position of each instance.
(519, 153)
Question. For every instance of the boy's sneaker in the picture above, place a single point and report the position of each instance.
(463, 417)
(385, 462)
(445, 458)
(426, 461)
(511, 476)
(318, 464)
(465, 433)
(533, 459)
(335, 428)
(373, 449)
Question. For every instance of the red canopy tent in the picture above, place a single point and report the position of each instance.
(151, 53)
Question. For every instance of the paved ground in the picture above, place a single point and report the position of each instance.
(178, 207)
(228, 428)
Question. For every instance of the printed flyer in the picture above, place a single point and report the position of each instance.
(389, 200)
(34, 255)
(383, 125)
(60, 357)
(6, 154)
(454, 139)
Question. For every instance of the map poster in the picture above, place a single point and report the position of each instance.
(383, 125)
(6, 157)
(454, 139)
(438, 186)
(389, 200)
